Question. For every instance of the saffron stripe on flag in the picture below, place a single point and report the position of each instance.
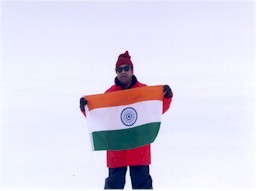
(125, 97)
(127, 138)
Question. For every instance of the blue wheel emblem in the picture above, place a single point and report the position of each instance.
(128, 116)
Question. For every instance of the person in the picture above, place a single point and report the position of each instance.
(137, 159)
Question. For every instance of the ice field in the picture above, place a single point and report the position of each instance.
(53, 52)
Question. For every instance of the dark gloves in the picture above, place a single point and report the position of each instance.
(167, 91)
(82, 103)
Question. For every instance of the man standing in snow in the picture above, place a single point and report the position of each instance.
(137, 159)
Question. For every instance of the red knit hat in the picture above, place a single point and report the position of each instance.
(124, 59)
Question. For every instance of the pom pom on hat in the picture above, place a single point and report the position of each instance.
(124, 59)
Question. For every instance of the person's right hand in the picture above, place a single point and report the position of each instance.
(82, 103)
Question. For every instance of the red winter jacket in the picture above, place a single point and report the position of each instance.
(137, 156)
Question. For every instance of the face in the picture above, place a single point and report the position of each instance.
(125, 77)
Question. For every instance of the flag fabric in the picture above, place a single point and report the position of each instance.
(125, 119)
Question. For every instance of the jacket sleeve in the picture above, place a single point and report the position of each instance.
(166, 104)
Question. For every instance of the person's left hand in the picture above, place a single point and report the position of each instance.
(168, 92)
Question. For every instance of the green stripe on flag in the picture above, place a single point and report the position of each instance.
(126, 138)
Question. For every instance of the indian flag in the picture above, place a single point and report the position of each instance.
(125, 119)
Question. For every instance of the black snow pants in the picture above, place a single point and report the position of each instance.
(140, 178)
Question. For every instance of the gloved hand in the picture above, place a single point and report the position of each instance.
(82, 103)
(168, 92)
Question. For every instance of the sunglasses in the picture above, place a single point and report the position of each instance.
(125, 68)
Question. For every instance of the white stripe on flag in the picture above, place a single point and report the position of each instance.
(106, 119)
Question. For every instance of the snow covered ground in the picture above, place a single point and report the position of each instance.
(55, 52)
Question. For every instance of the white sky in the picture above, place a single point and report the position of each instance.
(55, 52)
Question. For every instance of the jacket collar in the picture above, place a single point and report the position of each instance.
(134, 81)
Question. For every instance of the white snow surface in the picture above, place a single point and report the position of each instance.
(53, 52)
